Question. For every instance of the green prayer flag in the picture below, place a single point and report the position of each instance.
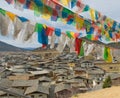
(89, 36)
(105, 53)
(68, 34)
(81, 50)
(36, 11)
(38, 27)
(87, 8)
(3, 12)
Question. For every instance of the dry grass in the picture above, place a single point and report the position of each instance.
(113, 92)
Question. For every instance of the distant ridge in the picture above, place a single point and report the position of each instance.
(47, 48)
(7, 47)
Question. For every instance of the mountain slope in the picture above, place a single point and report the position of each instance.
(7, 47)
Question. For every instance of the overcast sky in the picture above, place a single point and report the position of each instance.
(110, 8)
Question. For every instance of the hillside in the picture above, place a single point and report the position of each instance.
(113, 92)
(7, 47)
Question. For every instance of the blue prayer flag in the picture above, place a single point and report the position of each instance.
(57, 31)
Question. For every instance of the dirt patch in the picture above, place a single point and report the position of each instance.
(113, 92)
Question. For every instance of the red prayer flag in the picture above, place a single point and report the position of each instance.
(78, 43)
(22, 1)
(49, 31)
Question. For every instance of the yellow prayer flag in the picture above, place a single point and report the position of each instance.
(79, 22)
(46, 16)
(11, 15)
(44, 26)
(92, 14)
(106, 34)
(46, 13)
(72, 34)
(64, 21)
(65, 2)
(109, 59)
